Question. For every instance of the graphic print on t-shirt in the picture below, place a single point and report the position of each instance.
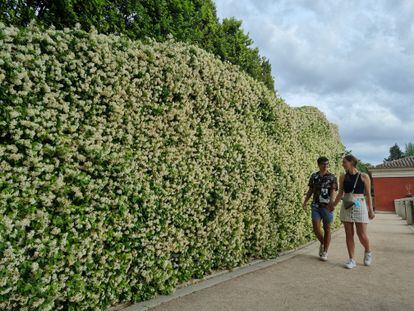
(322, 186)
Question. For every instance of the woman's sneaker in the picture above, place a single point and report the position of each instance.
(368, 258)
(350, 264)
(321, 249)
(324, 256)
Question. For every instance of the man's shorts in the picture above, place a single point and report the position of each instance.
(322, 213)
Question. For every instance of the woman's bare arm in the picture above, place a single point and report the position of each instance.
(367, 185)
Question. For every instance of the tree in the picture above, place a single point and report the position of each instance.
(191, 21)
(409, 150)
(363, 167)
(395, 153)
(267, 77)
(235, 46)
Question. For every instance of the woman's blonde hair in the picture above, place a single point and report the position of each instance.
(352, 159)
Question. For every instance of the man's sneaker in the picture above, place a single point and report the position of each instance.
(350, 264)
(324, 256)
(321, 249)
(367, 258)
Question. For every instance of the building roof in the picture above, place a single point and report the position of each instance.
(407, 162)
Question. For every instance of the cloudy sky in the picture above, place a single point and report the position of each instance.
(352, 59)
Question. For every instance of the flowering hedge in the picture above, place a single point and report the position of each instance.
(129, 168)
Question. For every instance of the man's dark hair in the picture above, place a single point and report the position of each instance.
(322, 160)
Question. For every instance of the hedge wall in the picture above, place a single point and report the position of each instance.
(129, 168)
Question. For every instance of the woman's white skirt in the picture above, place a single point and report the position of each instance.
(355, 214)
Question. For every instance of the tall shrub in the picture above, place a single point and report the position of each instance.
(190, 21)
(127, 168)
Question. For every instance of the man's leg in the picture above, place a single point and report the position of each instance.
(317, 229)
(327, 220)
(316, 223)
(327, 235)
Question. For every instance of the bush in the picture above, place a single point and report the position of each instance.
(190, 21)
(127, 168)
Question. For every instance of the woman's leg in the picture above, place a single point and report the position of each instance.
(349, 233)
(362, 235)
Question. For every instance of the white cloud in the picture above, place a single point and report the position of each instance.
(352, 59)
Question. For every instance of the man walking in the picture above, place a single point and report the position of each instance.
(322, 187)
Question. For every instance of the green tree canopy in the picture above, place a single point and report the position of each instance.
(409, 150)
(363, 167)
(191, 21)
(395, 153)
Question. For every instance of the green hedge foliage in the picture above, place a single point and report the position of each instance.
(190, 21)
(127, 168)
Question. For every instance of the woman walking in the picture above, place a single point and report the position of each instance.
(356, 209)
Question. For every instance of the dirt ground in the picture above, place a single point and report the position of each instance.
(305, 283)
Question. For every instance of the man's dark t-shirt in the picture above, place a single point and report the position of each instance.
(322, 187)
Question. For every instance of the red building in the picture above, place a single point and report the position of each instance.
(392, 180)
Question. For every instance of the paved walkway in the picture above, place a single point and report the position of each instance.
(305, 283)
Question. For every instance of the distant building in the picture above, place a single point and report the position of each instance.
(392, 180)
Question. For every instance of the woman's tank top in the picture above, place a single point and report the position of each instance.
(349, 182)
